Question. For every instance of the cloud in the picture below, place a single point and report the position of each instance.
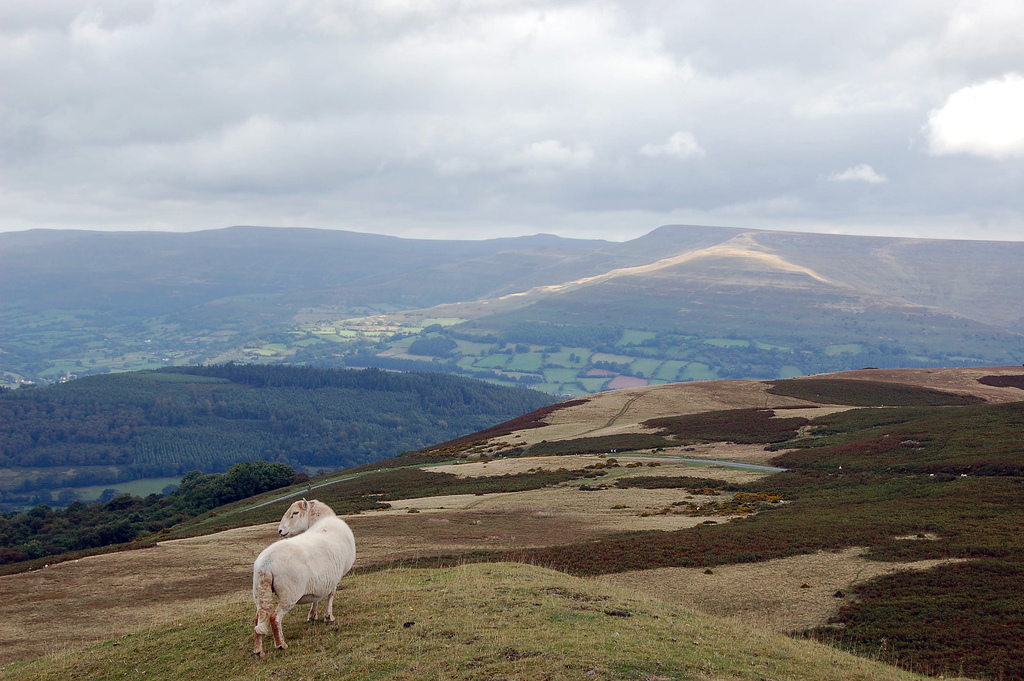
(981, 120)
(439, 116)
(859, 173)
(681, 145)
(555, 155)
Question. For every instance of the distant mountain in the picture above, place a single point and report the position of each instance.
(143, 273)
(679, 303)
(743, 289)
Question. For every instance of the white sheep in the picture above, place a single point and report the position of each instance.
(301, 515)
(300, 569)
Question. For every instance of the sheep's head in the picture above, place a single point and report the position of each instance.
(296, 519)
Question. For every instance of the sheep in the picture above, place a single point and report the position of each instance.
(300, 569)
(297, 519)
(301, 515)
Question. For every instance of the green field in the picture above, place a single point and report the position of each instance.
(139, 488)
(496, 361)
(560, 375)
(560, 351)
(645, 367)
(851, 348)
(632, 337)
(695, 371)
(530, 361)
(615, 359)
(570, 357)
(593, 385)
(669, 371)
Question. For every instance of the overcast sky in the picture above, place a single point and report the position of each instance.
(460, 119)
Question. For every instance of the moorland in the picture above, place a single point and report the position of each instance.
(666, 532)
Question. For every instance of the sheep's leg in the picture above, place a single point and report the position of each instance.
(312, 612)
(263, 595)
(257, 648)
(329, 609)
(276, 625)
(267, 624)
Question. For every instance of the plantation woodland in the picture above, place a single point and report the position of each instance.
(112, 428)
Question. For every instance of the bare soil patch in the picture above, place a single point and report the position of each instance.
(786, 595)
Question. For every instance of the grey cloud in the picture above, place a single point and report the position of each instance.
(439, 116)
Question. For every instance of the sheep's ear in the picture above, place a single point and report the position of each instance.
(305, 505)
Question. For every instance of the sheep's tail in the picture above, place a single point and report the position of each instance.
(263, 597)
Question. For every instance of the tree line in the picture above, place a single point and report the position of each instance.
(44, 531)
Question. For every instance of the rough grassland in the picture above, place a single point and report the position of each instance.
(472, 622)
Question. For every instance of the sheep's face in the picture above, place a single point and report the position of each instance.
(295, 520)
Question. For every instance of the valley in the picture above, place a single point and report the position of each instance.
(567, 317)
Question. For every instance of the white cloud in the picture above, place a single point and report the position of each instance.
(859, 173)
(680, 145)
(981, 120)
(552, 154)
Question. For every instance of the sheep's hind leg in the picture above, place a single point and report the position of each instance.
(278, 628)
(329, 608)
(313, 611)
(258, 633)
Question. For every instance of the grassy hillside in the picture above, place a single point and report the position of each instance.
(473, 622)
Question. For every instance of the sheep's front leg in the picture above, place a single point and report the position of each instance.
(313, 611)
